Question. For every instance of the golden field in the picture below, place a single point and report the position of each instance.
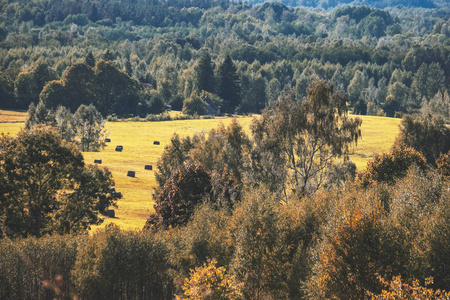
(378, 135)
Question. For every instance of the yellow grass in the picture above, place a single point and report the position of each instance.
(138, 150)
(12, 116)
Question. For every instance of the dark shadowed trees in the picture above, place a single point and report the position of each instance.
(204, 74)
(229, 86)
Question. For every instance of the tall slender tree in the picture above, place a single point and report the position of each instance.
(229, 88)
(204, 74)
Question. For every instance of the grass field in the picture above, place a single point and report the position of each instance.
(378, 135)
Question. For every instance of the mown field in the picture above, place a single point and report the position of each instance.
(378, 135)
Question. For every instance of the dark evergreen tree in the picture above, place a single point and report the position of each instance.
(229, 85)
(90, 60)
(204, 74)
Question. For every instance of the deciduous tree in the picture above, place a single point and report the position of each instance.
(45, 186)
(296, 141)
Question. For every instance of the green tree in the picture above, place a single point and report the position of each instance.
(297, 141)
(439, 105)
(6, 92)
(89, 59)
(356, 86)
(45, 186)
(204, 74)
(116, 264)
(177, 199)
(54, 94)
(260, 254)
(194, 105)
(229, 85)
(354, 258)
(435, 80)
(427, 134)
(39, 115)
(89, 125)
(389, 167)
(79, 84)
(29, 84)
(110, 84)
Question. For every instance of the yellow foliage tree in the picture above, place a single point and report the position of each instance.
(210, 282)
(399, 290)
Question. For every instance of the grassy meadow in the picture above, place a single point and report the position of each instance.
(378, 135)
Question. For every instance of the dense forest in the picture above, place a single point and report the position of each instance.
(276, 212)
(389, 62)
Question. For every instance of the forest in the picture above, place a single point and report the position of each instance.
(276, 212)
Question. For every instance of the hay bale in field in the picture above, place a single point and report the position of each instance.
(107, 140)
(131, 174)
(148, 167)
(156, 143)
(97, 161)
(111, 213)
(119, 148)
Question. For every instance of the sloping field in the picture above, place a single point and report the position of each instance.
(378, 135)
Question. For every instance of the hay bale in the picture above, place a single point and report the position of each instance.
(131, 174)
(107, 140)
(148, 167)
(111, 190)
(119, 148)
(111, 213)
(118, 194)
(156, 143)
(97, 161)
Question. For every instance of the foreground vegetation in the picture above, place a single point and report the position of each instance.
(281, 206)
(378, 135)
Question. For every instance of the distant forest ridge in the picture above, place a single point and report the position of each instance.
(160, 13)
(329, 4)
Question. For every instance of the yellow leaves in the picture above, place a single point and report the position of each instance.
(399, 290)
(210, 282)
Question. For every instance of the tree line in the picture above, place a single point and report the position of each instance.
(390, 61)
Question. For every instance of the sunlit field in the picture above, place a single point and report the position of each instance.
(378, 135)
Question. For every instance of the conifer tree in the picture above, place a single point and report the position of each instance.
(204, 72)
(229, 85)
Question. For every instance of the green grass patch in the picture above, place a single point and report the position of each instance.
(378, 135)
